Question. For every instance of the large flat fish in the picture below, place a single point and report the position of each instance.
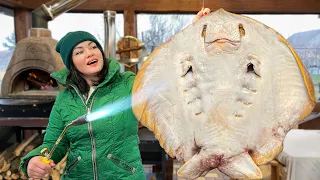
(223, 93)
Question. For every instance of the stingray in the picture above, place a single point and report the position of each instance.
(225, 92)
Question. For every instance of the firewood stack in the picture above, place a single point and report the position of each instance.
(10, 160)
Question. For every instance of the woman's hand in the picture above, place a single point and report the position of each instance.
(202, 12)
(38, 169)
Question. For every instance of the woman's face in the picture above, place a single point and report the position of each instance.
(87, 58)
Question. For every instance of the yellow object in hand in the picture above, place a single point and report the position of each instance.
(44, 152)
(45, 160)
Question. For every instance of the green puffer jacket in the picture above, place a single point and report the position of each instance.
(103, 149)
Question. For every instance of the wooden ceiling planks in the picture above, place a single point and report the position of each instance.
(236, 6)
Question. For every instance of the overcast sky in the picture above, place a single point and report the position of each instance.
(286, 25)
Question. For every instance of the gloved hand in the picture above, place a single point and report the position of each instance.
(201, 13)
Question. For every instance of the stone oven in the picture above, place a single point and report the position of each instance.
(35, 57)
(33, 60)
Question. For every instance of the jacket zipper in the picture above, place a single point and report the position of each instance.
(72, 165)
(93, 144)
(81, 97)
(123, 164)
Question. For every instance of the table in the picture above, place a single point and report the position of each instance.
(301, 154)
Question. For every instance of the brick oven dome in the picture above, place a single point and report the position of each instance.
(32, 53)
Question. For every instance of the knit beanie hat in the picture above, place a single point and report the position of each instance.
(66, 45)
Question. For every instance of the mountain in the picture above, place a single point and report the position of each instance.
(303, 38)
(307, 45)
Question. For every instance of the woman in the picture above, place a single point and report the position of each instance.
(106, 149)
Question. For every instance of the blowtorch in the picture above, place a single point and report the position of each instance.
(47, 155)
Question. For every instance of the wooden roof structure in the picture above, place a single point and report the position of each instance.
(22, 9)
(237, 6)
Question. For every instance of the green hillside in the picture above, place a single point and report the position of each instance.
(316, 81)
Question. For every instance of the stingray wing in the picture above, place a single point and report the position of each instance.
(156, 105)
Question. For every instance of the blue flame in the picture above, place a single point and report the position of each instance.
(125, 103)
(110, 109)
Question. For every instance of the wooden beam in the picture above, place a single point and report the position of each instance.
(24, 122)
(130, 29)
(313, 124)
(236, 6)
(130, 23)
(22, 23)
(317, 107)
(11, 3)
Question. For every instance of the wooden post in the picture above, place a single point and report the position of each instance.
(130, 29)
(22, 23)
(130, 24)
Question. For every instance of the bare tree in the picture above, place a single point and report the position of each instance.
(10, 43)
(162, 28)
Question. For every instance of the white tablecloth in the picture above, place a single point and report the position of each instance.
(301, 154)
